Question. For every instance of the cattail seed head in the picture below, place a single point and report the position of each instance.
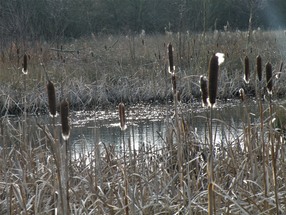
(246, 70)
(121, 108)
(52, 99)
(213, 79)
(242, 94)
(65, 120)
(174, 83)
(259, 67)
(204, 90)
(171, 60)
(25, 64)
(280, 70)
(269, 83)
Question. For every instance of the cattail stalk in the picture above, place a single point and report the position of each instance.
(204, 90)
(52, 99)
(65, 159)
(213, 85)
(121, 108)
(246, 70)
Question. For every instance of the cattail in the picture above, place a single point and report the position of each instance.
(259, 67)
(213, 79)
(204, 90)
(269, 83)
(25, 65)
(280, 70)
(171, 61)
(246, 70)
(65, 120)
(51, 99)
(121, 108)
(242, 94)
(174, 83)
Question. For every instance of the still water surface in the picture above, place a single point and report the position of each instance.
(148, 125)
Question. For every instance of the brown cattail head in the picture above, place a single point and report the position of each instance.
(25, 64)
(280, 70)
(259, 67)
(213, 79)
(242, 94)
(65, 120)
(269, 83)
(204, 90)
(174, 83)
(246, 70)
(121, 108)
(171, 60)
(52, 99)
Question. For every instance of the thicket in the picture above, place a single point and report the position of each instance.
(51, 19)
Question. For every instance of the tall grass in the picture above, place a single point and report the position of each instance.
(37, 176)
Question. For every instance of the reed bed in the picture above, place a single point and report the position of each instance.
(241, 173)
(103, 70)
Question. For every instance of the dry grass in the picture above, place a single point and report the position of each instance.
(248, 166)
(103, 70)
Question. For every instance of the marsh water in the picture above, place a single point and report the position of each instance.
(150, 124)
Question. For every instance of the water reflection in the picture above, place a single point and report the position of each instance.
(145, 128)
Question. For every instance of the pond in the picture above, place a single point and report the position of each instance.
(147, 124)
